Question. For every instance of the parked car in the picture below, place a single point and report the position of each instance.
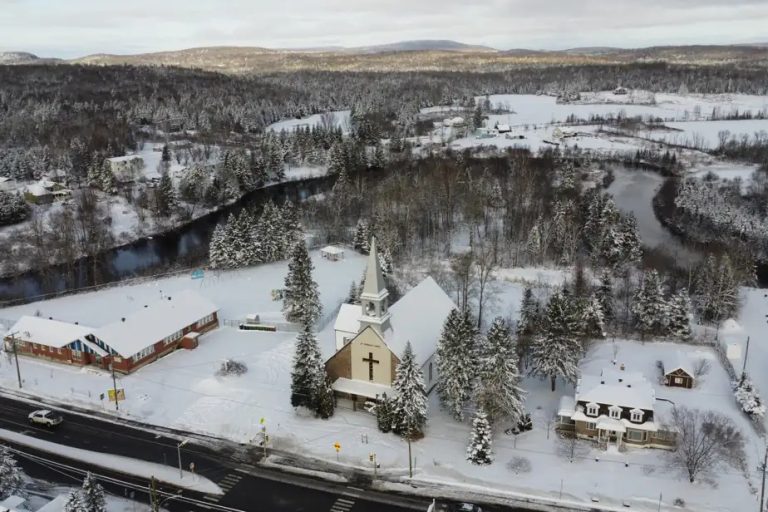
(437, 506)
(46, 418)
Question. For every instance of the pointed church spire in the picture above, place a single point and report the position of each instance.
(374, 278)
(375, 307)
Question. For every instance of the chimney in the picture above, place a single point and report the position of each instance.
(123, 319)
(621, 380)
(621, 367)
(169, 298)
(629, 385)
(146, 306)
(602, 381)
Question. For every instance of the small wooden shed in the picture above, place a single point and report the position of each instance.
(678, 372)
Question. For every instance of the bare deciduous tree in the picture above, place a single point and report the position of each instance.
(706, 439)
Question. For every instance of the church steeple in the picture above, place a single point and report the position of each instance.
(375, 294)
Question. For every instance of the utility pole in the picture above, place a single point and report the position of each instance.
(410, 459)
(763, 468)
(16, 356)
(114, 387)
(178, 448)
(746, 353)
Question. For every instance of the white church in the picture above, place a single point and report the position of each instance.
(371, 336)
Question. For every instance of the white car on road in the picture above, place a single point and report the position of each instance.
(46, 418)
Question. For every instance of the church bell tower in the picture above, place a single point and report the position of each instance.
(374, 299)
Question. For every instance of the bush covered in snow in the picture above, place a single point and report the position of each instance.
(519, 465)
(748, 398)
(231, 367)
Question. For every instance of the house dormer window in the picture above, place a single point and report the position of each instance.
(592, 409)
(615, 412)
(636, 415)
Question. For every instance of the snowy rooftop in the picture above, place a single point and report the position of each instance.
(126, 158)
(627, 389)
(47, 332)
(348, 319)
(332, 249)
(360, 388)
(57, 505)
(677, 361)
(418, 317)
(154, 322)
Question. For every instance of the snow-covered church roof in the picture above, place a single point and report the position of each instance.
(417, 317)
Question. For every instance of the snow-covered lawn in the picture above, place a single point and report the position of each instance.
(706, 133)
(340, 120)
(182, 391)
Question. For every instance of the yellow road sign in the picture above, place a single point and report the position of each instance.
(337, 446)
(120, 394)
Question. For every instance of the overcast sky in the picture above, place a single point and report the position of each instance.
(72, 28)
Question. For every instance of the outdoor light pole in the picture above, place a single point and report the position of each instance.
(16, 355)
(178, 448)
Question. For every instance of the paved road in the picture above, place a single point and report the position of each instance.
(247, 487)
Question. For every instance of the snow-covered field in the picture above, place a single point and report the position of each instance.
(340, 120)
(706, 134)
(182, 391)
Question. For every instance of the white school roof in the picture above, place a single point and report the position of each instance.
(47, 332)
(633, 390)
(152, 324)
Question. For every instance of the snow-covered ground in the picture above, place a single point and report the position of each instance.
(182, 391)
(706, 134)
(340, 119)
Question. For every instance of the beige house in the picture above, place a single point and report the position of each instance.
(370, 336)
(617, 407)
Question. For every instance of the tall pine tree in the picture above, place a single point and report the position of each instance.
(93, 495)
(301, 299)
(305, 376)
(556, 352)
(498, 390)
(409, 405)
(456, 362)
(649, 305)
(11, 481)
(679, 324)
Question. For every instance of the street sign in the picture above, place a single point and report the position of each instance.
(120, 394)
(261, 421)
(198, 273)
(337, 446)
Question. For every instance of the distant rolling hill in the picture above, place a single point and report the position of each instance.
(420, 55)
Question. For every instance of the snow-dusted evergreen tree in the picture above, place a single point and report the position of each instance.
(529, 314)
(384, 413)
(11, 481)
(165, 196)
(353, 295)
(556, 352)
(385, 260)
(305, 374)
(456, 362)
(74, 502)
(13, 208)
(679, 321)
(301, 299)
(93, 495)
(479, 451)
(604, 295)
(362, 238)
(325, 401)
(498, 388)
(592, 318)
(748, 398)
(336, 159)
(409, 403)
(649, 305)
(292, 230)
(717, 288)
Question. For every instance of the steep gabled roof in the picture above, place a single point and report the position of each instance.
(625, 389)
(677, 361)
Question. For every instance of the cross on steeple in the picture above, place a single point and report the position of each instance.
(371, 361)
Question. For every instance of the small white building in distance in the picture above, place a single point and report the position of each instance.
(370, 337)
(454, 121)
(332, 253)
(126, 168)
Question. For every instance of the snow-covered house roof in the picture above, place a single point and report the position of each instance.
(348, 319)
(677, 361)
(503, 128)
(418, 317)
(126, 158)
(625, 389)
(154, 322)
(37, 190)
(51, 333)
(57, 505)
